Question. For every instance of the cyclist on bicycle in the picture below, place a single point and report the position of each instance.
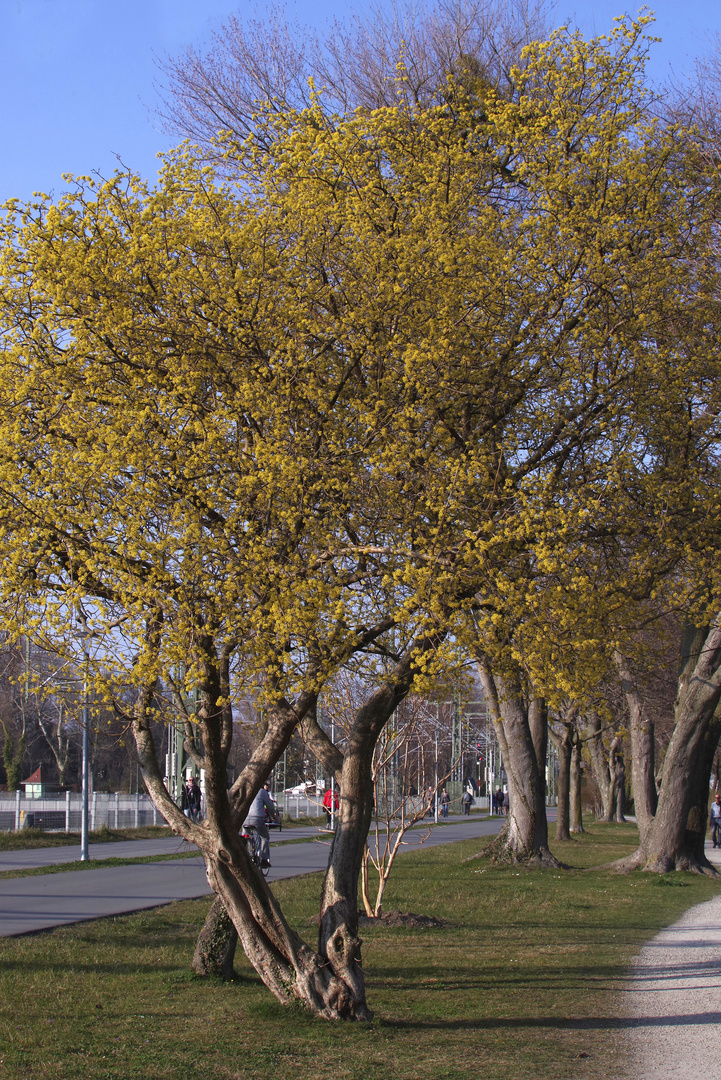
(256, 818)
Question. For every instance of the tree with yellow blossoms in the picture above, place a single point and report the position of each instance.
(248, 429)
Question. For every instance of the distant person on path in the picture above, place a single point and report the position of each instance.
(506, 803)
(466, 801)
(715, 819)
(431, 802)
(191, 799)
(256, 818)
(329, 807)
(498, 800)
(445, 799)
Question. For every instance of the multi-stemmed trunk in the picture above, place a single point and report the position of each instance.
(328, 980)
(517, 722)
(602, 772)
(668, 844)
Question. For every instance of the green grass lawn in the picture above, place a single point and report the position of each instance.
(520, 983)
(37, 838)
(24, 839)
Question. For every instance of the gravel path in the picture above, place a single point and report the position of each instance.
(674, 998)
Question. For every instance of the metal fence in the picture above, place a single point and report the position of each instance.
(62, 813)
(296, 806)
(299, 806)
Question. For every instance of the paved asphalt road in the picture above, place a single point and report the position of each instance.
(31, 858)
(43, 901)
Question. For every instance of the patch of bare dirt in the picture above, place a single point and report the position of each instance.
(401, 918)
(394, 919)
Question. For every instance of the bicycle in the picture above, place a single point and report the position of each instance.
(252, 839)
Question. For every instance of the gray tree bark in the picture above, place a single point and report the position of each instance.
(215, 948)
(524, 837)
(668, 845)
(564, 744)
(698, 815)
(602, 773)
(328, 980)
(575, 795)
(643, 772)
(619, 787)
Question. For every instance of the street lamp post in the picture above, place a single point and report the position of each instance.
(332, 777)
(435, 790)
(84, 634)
(85, 767)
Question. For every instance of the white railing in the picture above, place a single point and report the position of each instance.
(62, 813)
(297, 806)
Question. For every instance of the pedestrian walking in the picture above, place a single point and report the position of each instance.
(190, 800)
(715, 821)
(331, 804)
(445, 800)
(466, 803)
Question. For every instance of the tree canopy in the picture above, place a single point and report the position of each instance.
(404, 363)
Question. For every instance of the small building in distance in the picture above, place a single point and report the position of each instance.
(35, 786)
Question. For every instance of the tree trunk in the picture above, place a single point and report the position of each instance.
(538, 723)
(619, 769)
(602, 774)
(716, 775)
(291, 969)
(700, 789)
(287, 965)
(643, 773)
(575, 798)
(564, 745)
(326, 982)
(338, 934)
(524, 837)
(329, 982)
(215, 948)
(668, 845)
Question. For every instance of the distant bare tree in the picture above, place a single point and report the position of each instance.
(705, 100)
(406, 786)
(390, 52)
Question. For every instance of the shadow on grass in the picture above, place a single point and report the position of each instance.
(90, 968)
(558, 935)
(568, 976)
(587, 1023)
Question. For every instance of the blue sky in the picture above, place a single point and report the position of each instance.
(77, 76)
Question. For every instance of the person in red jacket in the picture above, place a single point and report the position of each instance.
(331, 803)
